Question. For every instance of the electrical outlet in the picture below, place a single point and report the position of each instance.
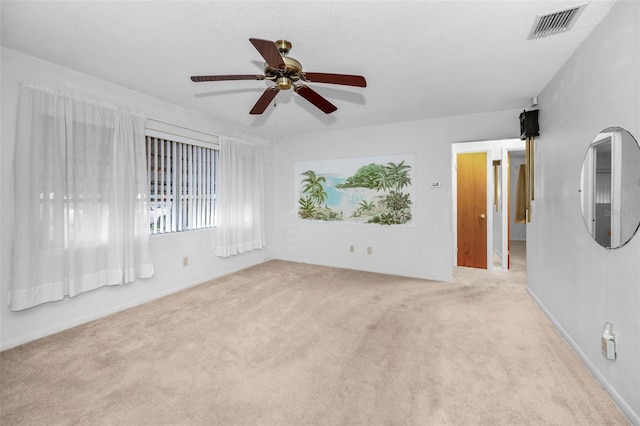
(609, 348)
(185, 261)
(608, 342)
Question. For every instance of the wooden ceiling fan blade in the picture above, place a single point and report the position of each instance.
(344, 79)
(269, 52)
(265, 100)
(315, 98)
(199, 78)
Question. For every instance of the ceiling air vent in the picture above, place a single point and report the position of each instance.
(556, 22)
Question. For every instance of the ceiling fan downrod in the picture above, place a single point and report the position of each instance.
(283, 46)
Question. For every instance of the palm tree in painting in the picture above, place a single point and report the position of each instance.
(398, 175)
(382, 179)
(313, 187)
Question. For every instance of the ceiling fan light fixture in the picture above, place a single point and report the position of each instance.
(284, 83)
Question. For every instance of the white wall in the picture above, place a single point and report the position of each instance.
(578, 283)
(168, 250)
(423, 251)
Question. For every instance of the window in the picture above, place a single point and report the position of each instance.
(181, 179)
(79, 198)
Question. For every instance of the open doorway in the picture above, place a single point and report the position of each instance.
(517, 233)
(493, 212)
(509, 226)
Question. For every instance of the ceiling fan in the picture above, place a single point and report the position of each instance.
(286, 72)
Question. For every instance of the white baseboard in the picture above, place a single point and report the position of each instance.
(386, 271)
(626, 409)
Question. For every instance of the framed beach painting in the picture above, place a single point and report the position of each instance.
(367, 190)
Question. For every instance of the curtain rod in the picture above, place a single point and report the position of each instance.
(182, 126)
(79, 97)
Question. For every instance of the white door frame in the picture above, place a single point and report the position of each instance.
(493, 148)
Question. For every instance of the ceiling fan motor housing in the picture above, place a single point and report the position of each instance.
(285, 77)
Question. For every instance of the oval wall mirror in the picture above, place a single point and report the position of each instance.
(610, 187)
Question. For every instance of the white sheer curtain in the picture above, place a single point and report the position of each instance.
(80, 198)
(240, 198)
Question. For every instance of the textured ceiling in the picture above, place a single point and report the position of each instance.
(422, 59)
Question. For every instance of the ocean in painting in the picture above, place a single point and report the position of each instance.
(345, 200)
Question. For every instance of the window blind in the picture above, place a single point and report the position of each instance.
(181, 181)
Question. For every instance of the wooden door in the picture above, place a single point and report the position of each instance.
(472, 209)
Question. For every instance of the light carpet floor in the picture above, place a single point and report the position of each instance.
(283, 343)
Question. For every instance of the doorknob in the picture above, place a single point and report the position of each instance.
(482, 215)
